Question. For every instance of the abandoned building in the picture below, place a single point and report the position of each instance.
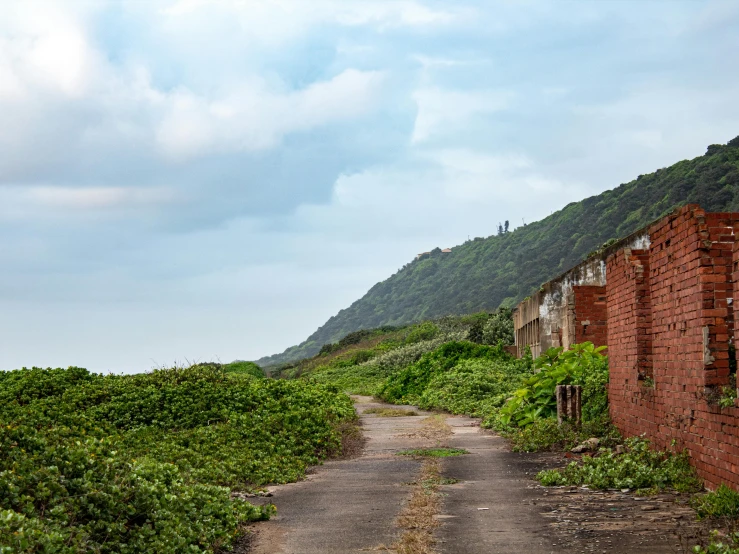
(662, 301)
(424, 255)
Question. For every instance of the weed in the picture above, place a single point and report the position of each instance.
(723, 502)
(434, 452)
(391, 412)
(417, 518)
(547, 434)
(727, 398)
(728, 544)
(409, 384)
(639, 468)
(583, 364)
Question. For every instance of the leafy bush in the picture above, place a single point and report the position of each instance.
(476, 387)
(400, 358)
(491, 328)
(499, 328)
(140, 463)
(244, 368)
(583, 364)
(368, 377)
(354, 379)
(723, 502)
(639, 468)
(423, 332)
(408, 385)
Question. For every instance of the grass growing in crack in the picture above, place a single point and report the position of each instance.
(352, 439)
(434, 452)
(417, 518)
(433, 428)
(391, 412)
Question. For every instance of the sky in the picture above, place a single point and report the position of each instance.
(192, 180)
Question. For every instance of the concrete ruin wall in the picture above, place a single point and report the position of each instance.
(557, 308)
(526, 325)
(570, 308)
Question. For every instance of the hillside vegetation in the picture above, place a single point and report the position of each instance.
(148, 463)
(485, 273)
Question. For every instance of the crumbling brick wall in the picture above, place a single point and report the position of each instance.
(591, 313)
(670, 320)
(629, 337)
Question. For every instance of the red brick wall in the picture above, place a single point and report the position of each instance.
(735, 287)
(629, 339)
(591, 314)
(688, 275)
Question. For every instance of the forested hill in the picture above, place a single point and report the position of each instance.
(482, 274)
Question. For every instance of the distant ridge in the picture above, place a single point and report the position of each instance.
(484, 273)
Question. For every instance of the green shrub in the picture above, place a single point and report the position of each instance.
(141, 463)
(639, 468)
(547, 434)
(499, 328)
(723, 502)
(476, 387)
(365, 378)
(408, 385)
(422, 332)
(583, 364)
(244, 368)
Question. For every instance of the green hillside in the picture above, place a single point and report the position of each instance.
(483, 274)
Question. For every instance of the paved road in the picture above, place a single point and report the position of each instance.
(346, 506)
(350, 506)
(491, 509)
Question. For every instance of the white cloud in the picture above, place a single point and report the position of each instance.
(646, 127)
(278, 20)
(253, 117)
(475, 176)
(50, 68)
(441, 197)
(65, 204)
(440, 110)
(100, 197)
(46, 45)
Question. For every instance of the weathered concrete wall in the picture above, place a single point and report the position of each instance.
(557, 307)
(526, 325)
(566, 302)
